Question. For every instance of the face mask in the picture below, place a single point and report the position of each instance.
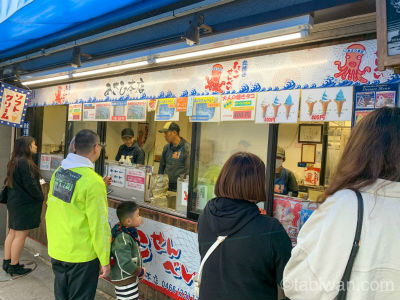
(279, 163)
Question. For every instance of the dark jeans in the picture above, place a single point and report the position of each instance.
(75, 281)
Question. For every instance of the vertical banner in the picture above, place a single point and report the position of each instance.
(14, 102)
(204, 109)
(75, 112)
(136, 110)
(278, 107)
(239, 107)
(170, 256)
(330, 104)
(166, 110)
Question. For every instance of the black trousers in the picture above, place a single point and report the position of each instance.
(75, 281)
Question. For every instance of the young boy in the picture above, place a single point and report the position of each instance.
(126, 262)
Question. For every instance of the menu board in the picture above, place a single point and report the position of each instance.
(103, 111)
(136, 110)
(278, 107)
(238, 107)
(118, 110)
(330, 104)
(75, 112)
(166, 110)
(181, 104)
(135, 179)
(89, 112)
(367, 98)
(117, 174)
(204, 109)
(45, 162)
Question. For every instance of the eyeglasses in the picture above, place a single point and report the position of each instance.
(101, 145)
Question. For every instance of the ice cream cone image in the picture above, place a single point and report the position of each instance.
(339, 102)
(288, 108)
(310, 107)
(264, 109)
(325, 102)
(276, 106)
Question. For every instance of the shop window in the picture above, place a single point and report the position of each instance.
(53, 139)
(218, 141)
(134, 178)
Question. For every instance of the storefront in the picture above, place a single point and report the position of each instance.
(303, 101)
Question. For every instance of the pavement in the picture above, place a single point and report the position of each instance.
(36, 285)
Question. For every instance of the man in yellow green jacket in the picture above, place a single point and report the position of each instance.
(78, 232)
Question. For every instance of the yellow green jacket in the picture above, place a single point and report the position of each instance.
(77, 213)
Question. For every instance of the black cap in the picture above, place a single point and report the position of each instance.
(170, 126)
(127, 132)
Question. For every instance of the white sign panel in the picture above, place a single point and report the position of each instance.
(278, 107)
(135, 179)
(117, 174)
(331, 104)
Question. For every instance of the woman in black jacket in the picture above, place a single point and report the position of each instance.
(249, 263)
(24, 202)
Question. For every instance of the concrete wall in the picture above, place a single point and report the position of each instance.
(5, 149)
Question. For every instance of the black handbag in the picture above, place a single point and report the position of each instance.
(3, 195)
(356, 245)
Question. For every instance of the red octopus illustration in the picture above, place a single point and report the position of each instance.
(214, 84)
(351, 68)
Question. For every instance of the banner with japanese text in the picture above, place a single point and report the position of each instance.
(170, 255)
(14, 103)
(239, 107)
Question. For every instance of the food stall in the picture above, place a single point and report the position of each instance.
(300, 100)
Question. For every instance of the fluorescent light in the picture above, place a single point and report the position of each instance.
(31, 82)
(261, 42)
(111, 69)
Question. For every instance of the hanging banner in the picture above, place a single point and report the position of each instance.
(204, 109)
(14, 102)
(74, 112)
(170, 256)
(181, 104)
(333, 104)
(166, 110)
(278, 107)
(321, 67)
(367, 98)
(103, 111)
(118, 110)
(137, 110)
(239, 107)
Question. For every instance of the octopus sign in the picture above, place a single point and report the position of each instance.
(351, 68)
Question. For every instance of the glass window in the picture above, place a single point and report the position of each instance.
(218, 141)
(53, 139)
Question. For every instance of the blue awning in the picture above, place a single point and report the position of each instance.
(33, 24)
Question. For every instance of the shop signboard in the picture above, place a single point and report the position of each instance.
(166, 110)
(117, 174)
(330, 104)
(45, 162)
(238, 107)
(13, 105)
(278, 107)
(204, 109)
(135, 179)
(170, 256)
(370, 97)
(75, 112)
(136, 110)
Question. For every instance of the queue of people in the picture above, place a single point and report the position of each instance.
(345, 250)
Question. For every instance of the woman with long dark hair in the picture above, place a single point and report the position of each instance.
(370, 164)
(24, 202)
(249, 262)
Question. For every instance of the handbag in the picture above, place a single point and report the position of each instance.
(197, 277)
(354, 250)
(3, 195)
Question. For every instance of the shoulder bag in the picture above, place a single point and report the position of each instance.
(197, 277)
(356, 245)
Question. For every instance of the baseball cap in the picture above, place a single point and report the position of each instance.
(280, 152)
(170, 126)
(127, 132)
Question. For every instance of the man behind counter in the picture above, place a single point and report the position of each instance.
(175, 158)
(130, 147)
(285, 181)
